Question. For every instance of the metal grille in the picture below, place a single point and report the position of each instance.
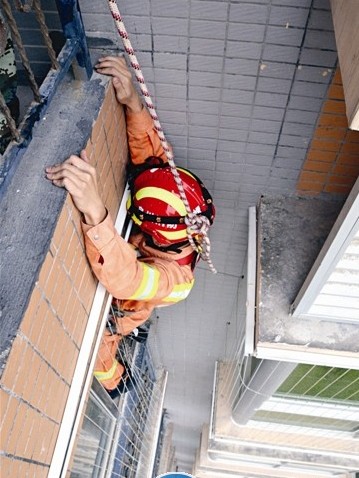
(17, 45)
(95, 440)
(43, 59)
(321, 404)
(326, 383)
(123, 443)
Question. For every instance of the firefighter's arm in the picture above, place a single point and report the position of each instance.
(117, 267)
(78, 177)
(112, 259)
(143, 139)
(126, 94)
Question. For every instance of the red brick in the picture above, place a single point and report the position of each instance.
(16, 429)
(317, 155)
(38, 321)
(309, 187)
(25, 383)
(6, 467)
(45, 270)
(61, 225)
(31, 312)
(337, 78)
(89, 150)
(9, 408)
(27, 435)
(13, 363)
(344, 170)
(339, 121)
(341, 180)
(336, 188)
(325, 145)
(334, 106)
(350, 148)
(348, 158)
(330, 132)
(318, 166)
(352, 136)
(4, 402)
(313, 176)
(97, 129)
(336, 92)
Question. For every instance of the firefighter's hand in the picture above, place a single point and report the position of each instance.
(78, 177)
(126, 93)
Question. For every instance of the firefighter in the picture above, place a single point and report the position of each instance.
(156, 267)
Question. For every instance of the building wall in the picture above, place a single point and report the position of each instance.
(331, 167)
(39, 370)
(332, 161)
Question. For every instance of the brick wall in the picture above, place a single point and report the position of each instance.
(41, 363)
(332, 162)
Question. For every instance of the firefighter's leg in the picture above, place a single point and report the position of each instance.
(108, 370)
(128, 320)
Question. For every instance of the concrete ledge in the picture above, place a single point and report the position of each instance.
(291, 232)
(31, 205)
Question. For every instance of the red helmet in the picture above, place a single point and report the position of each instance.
(156, 207)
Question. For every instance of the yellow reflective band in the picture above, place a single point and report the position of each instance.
(163, 195)
(173, 235)
(102, 376)
(179, 292)
(133, 217)
(149, 283)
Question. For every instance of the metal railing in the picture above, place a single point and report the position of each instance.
(119, 439)
(19, 130)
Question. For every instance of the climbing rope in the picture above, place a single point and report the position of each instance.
(197, 225)
(40, 17)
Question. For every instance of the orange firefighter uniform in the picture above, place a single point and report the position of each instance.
(138, 276)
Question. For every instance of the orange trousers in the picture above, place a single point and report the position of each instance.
(107, 368)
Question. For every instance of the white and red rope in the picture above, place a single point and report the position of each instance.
(196, 224)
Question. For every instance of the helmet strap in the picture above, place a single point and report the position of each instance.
(177, 248)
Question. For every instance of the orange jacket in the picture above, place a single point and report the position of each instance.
(153, 279)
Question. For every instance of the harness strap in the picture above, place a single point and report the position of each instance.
(190, 259)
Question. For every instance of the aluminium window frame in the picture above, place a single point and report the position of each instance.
(343, 232)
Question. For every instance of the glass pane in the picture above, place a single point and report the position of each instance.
(306, 420)
(94, 441)
(328, 383)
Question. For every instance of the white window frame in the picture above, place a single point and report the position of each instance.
(251, 282)
(344, 230)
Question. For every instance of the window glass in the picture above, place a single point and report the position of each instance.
(94, 441)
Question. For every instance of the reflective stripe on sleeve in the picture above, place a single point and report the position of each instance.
(102, 376)
(149, 283)
(179, 292)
